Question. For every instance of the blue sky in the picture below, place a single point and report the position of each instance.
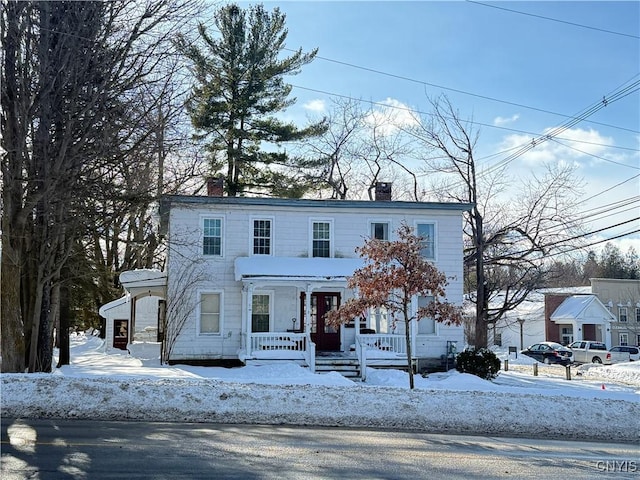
(516, 74)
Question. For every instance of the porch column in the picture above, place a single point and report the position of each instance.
(249, 310)
(607, 334)
(132, 319)
(307, 308)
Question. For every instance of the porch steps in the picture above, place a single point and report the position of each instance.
(347, 367)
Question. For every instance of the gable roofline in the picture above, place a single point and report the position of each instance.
(574, 306)
(167, 200)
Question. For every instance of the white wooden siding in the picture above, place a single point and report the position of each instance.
(290, 231)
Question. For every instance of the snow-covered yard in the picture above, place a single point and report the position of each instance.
(599, 403)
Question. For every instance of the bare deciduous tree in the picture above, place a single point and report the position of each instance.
(70, 69)
(506, 240)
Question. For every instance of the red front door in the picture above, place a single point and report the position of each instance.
(326, 337)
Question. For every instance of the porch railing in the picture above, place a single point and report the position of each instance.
(283, 344)
(377, 346)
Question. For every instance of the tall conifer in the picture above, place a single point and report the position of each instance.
(238, 90)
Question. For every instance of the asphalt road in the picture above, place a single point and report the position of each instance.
(78, 449)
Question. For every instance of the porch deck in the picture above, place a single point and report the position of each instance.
(370, 350)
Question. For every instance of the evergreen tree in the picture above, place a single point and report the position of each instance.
(239, 87)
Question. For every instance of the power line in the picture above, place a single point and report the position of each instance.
(610, 188)
(484, 97)
(555, 20)
(596, 156)
(582, 247)
(473, 122)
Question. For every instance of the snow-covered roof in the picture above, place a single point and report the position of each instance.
(144, 282)
(296, 267)
(576, 306)
(113, 304)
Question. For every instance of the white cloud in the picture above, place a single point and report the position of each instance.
(315, 106)
(390, 115)
(573, 145)
(499, 121)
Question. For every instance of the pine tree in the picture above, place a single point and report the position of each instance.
(239, 87)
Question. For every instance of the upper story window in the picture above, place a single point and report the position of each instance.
(428, 233)
(380, 230)
(212, 237)
(321, 239)
(209, 322)
(622, 314)
(262, 237)
(637, 314)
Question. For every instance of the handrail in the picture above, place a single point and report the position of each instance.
(361, 353)
(382, 342)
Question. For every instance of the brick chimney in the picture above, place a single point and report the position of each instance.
(215, 186)
(383, 191)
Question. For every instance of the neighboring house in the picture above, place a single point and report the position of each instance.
(250, 279)
(622, 298)
(570, 318)
(525, 325)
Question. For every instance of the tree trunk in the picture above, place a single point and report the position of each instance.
(407, 336)
(481, 293)
(63, 326)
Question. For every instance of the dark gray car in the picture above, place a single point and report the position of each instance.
(549, 352)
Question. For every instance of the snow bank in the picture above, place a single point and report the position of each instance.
(203, 400)
(602, 403)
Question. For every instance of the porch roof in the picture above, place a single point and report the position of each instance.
(582, 308)
(296, 268)
(144, 282)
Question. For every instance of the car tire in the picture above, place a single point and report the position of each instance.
(547, 360)
(596, 360)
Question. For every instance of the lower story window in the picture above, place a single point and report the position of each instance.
(210, 313)
(624, 339)
(426, 326)
(260, 313)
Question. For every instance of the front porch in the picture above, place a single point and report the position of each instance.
(369, 350)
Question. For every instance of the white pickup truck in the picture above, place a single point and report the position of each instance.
(596, 352)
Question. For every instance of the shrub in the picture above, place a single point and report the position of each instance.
(482, 363)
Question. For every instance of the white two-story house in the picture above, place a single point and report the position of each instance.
(250, 279)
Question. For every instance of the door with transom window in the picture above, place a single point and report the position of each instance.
(326, 337)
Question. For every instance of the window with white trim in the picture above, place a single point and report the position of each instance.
(427, 231)
(209, 319)
(260, 312)
(624, 339)
(622, 314)
(426, 326)
(262, 236)
(212, 237)
(380, 230)
(321, 239)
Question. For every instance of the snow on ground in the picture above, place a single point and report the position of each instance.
(599, 403)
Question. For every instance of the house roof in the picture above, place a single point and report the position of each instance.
(102, 311)
(296, 267)
(167, 200)
(576, 306)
